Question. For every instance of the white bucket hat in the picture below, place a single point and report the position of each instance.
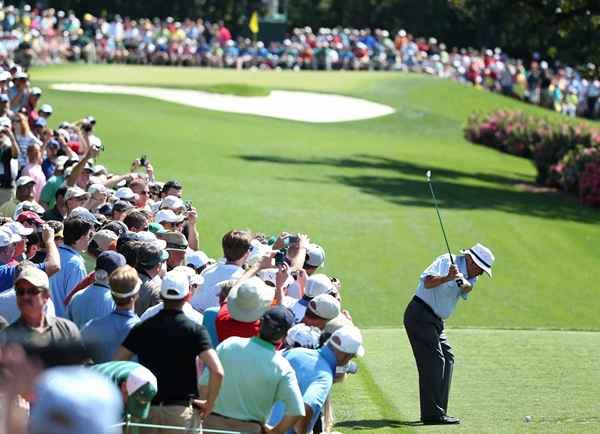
(482, 256)
(250, 300)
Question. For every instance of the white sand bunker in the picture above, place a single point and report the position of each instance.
(297, 106)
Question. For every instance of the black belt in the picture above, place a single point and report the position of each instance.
(426, 306)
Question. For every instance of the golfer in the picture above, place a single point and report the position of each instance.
(440, 287)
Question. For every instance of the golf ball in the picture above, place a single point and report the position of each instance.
(527, 418)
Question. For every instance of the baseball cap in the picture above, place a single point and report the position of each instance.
(96, 188)
(324, 306)
(35, 276)
(54, 144)
(167, 215)
(36, 91)
(18, 229)
(318, 284)
(84, 214)
(116, 226)
(175, 240)
(30, 216)
(99, 169)
(74, 192)
(61, 408)
(171, 184)
(175, 286)
(60, 161)
(141, 385)
(348, 340)
(196, 259)
(121, 206)
(172, 202)
(149, 237)
(28, 205)
(150, 254)
(278, 318)
(109, 261)
(21, 75)
(46, 108)
(105, 239)
(8, 237)
(302, 335)
(156, 228)
(125, 193)
(482, 256)
(315, 255)
(40, 122)
(24, 180)
(250, 300)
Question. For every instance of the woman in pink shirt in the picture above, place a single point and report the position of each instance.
(34, 170)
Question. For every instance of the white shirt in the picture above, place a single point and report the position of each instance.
(10, 311)
(208, 295)
(187, 309)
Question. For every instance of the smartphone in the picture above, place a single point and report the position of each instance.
(144, 160)
(280, 257)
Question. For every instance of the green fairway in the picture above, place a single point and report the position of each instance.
(359, 189)
(499, 378)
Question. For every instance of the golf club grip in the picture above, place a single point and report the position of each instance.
(459, 282)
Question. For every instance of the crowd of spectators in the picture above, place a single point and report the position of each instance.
(105, 273)
(49, 36)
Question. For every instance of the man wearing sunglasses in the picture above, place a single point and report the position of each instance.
(34, 327)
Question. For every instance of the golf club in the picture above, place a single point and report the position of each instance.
(459, 282)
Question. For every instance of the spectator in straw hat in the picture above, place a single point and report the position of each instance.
(241, 405)
(106, 334)
(441, 285)
(176, 247)
(168, 345)
(246, 303)
(96, 301)
(315, 371)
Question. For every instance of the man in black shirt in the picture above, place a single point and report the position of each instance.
(169, 344)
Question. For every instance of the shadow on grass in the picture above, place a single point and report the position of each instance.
(368, 424)
(454, 188)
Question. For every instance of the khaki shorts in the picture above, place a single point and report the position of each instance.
(171, 415)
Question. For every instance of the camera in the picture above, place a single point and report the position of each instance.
(188, 205)
(144, 160)
(280, 257)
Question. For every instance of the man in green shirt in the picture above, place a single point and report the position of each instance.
(137, 385)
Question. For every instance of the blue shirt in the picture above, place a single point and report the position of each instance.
(72, 271)
(93, 302)
(315, 370)
(7, 275)
(443, 298)
(210, 317)
(108, 333)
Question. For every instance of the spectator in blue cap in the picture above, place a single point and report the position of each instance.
(96, 301)
(75, 400)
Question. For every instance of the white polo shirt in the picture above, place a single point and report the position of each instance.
(208, 295)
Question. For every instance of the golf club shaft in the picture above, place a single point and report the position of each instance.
(441, 223)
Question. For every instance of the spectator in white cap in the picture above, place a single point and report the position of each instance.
(24, 193)
(96, 301)
(126, 194)
(198, 260)
(303, 336)
(169, 220)
(180, 341)
(441, 285)
(315, 258)
(174, 203)
(61, 407)
(246, 303)
(84, 214)
(316, 284)
(45, 111)
(75, 197)
(315, 371)
(320, 310)
(236, 248)
(106, 334)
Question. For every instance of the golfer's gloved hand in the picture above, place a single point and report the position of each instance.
(452, 272)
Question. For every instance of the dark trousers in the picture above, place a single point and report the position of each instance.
(433, 355)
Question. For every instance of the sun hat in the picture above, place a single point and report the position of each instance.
(315, 255)
(175, 286)
(105, 239)
(149, 237)
(168, 216)
(482, 256)
(150, 255)
(324, 306)
(125, 193)
(318, 284)
(18, 229)
(74, 192)
(250, 300)
(302, 335)
(175, 240)
(348, 340)
(62, 408)
(30, 216)
(172, 202)
(196, 259)
(35, 276)
(141, 385)
(24, 180)
(84, 214)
